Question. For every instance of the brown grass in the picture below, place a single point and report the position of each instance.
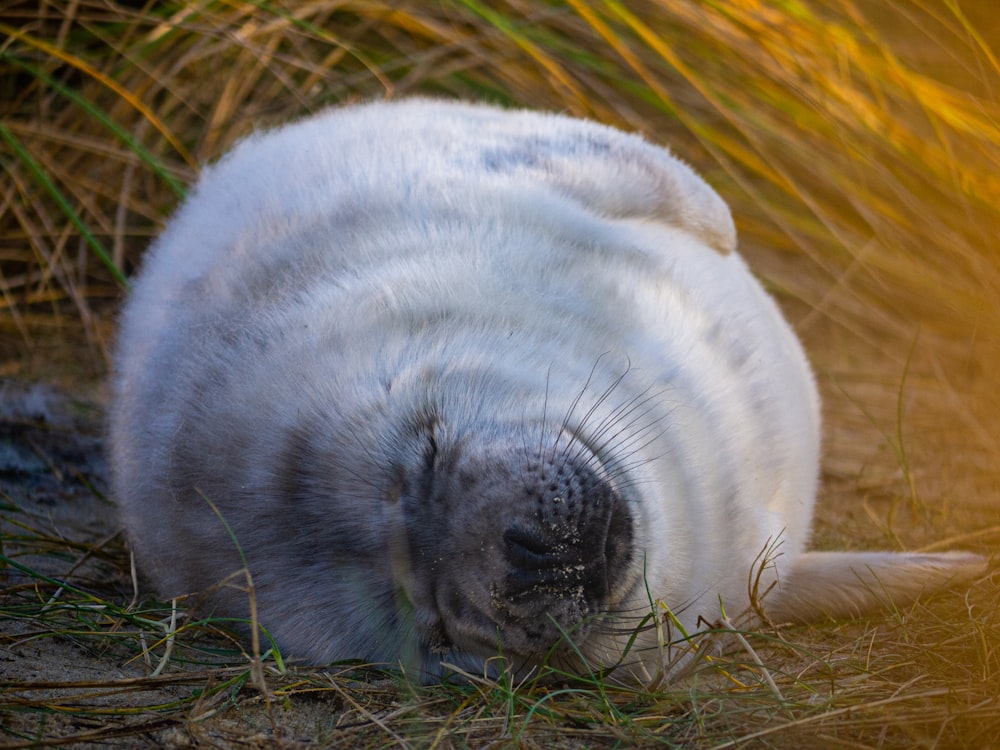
(858, 144)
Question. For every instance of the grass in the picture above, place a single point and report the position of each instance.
(858, 144)
(804, 693)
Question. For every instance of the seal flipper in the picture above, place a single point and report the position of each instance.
(848, 584)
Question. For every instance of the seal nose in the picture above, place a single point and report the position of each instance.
(546, 561)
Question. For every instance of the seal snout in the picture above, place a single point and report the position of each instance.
(569, 551)
(548, 547)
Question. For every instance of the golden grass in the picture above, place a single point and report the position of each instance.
(858, 144)
(828, 139)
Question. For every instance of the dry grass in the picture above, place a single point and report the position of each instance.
(858, 144)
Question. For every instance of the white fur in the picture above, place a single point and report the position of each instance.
(500, 265)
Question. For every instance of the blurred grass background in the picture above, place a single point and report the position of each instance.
(857, 142)
(861, 137)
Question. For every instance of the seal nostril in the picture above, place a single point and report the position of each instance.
(541, 563)
(546, 562)
(572, 549)
(528, 550)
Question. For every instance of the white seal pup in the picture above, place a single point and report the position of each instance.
(463, 381)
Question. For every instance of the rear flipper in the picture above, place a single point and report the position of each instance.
(848, 584)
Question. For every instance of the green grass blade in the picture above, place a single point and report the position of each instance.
(141, 151)
(50, 187)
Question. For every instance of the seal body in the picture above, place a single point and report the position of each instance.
(455, 381)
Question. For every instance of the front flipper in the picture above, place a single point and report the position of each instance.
(847, 584)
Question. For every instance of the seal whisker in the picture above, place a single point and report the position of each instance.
(564, 428)
(545, 413)
(564, 425)
(620, 440)
(617, 448)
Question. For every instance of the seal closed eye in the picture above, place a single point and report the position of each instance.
(465, 381)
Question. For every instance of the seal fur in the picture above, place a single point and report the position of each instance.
(463, 381)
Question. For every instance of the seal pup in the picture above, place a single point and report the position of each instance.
(457, 381)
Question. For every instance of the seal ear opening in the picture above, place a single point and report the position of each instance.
(842, 585)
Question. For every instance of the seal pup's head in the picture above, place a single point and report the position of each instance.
(505, 548)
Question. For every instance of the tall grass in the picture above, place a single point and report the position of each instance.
(867, 142)
(858, 145)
